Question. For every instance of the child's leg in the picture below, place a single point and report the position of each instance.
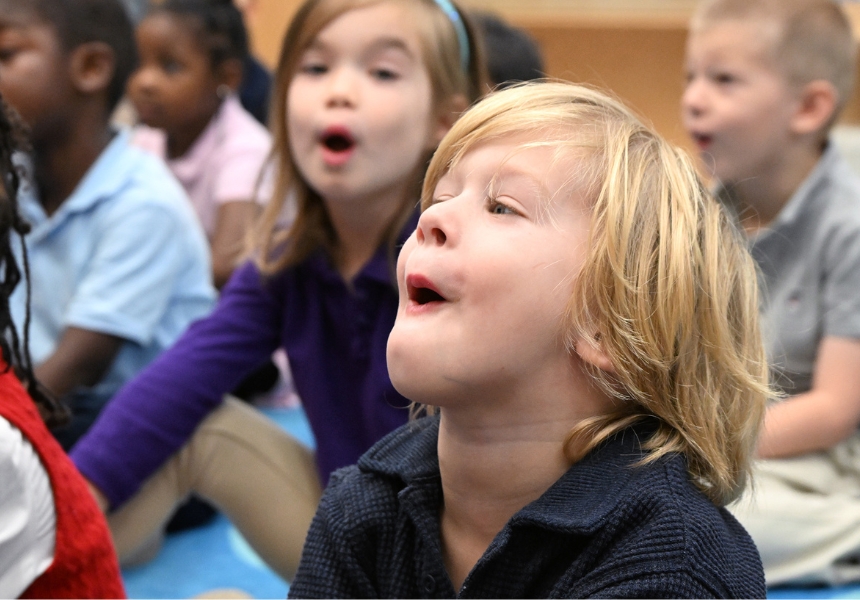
(260, 477)
(804, 516)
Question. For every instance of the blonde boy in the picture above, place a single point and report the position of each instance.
(583, 318)
(766, 80)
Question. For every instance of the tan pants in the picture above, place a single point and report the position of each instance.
(261, 478)
(804, 515)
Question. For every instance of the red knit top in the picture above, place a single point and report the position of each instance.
(85, 564)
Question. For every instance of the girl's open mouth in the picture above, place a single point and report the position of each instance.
(337, 144)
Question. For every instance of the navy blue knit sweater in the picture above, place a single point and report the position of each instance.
(607, 528)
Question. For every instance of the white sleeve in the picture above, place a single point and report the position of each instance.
(27, 516)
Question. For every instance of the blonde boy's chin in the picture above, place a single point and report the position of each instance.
(408, 377)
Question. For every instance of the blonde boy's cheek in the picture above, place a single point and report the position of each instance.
(396, 359)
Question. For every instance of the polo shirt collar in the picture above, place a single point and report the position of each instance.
(105, 177)
(795, 206)
(190, 166)
(580, 502)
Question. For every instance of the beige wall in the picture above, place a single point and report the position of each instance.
(633, 47)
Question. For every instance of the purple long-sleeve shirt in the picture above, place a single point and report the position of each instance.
(335, 338)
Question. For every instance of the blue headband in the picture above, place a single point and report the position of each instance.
(462, 37)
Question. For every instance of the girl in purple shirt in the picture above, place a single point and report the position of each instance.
(367, 90)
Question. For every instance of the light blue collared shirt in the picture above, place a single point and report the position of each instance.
(124, 255)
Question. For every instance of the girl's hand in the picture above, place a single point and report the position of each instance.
(101, 499)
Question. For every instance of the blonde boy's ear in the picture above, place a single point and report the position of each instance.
(92, 67)
(817, 104)
(591, 351)
(449, 112)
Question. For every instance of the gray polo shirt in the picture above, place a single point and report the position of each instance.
(809, 259)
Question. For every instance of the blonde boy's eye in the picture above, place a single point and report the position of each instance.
(499, 208)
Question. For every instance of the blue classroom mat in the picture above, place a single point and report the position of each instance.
(214, 557)
(843, 591)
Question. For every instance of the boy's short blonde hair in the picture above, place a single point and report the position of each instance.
(812, 39)
(667, 288)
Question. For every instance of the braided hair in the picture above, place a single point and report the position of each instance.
(218, 24)
(16, 354)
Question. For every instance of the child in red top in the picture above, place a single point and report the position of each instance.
(61, 548)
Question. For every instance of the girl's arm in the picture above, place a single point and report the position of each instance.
(154, 414)
(824, 416)
(232, 222)
(235, 192)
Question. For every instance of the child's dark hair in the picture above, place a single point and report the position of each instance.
(15, 354)
(81, 21)
(512, 54)
(218, 24)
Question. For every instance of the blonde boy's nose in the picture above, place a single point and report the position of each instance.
(430, 228)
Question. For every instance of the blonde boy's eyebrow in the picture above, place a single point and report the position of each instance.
(509, 173)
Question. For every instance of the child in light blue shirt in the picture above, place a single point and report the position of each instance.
(119, 264)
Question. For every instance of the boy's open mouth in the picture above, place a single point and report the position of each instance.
(425, 295)
(421, 291)
(702, 140)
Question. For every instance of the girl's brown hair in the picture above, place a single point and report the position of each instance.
(275, 248)
(667, 288)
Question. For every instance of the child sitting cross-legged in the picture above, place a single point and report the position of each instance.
(766, 80)
(580, 317)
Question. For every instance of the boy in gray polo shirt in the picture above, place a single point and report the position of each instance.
(766, 80)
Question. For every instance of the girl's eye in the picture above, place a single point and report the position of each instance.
(7, 54)
(383, 74)
(171, 67)
(314, 69)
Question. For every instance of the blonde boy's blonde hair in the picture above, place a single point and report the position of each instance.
(667, 288)
(811, 39)
(274, 248)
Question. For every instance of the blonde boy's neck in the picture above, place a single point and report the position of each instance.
(500, 452)
(487, 477)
